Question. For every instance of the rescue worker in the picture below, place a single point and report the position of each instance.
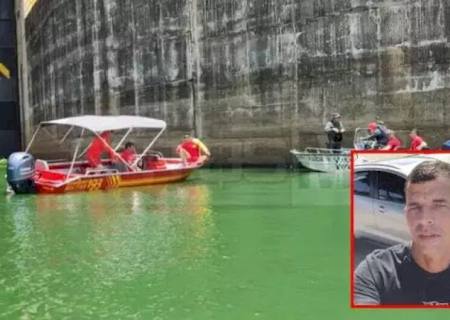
(100, 144)
(334, 129)
(192, 150)
(417, 142)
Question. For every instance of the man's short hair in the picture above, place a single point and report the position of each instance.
(428, 171)
(129, 145)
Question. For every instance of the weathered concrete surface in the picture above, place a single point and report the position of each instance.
(254, 78)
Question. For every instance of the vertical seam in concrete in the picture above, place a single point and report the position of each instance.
(111, 60)
(189, 66)
(96, 60)
(162, 85)
(137, 84)
(80, 54)
(379, 58)
(296, 111)
(42, 76)
(23, 76)
(247, 50)
(442, 20)
(197, 116)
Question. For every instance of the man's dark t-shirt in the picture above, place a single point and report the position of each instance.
(391, 276)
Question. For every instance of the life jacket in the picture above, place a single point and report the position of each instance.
(96, 149)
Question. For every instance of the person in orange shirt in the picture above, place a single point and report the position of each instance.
(417, 142)
(129, 153)
(128, 156)
(192, 150)
(393, 143)
(100, 144)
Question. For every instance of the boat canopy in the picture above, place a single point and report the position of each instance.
(109, 123)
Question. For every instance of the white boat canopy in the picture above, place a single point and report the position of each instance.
(109, 123)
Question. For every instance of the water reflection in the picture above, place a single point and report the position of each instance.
(94, 243)
(202, 249)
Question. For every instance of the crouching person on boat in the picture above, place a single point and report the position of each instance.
(100, 144)
(192, 150)
(127, 158)
(334, 129)
(417, 142)
(378, 136)
(393, 143)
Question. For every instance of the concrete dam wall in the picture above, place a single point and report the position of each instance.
(252, 78)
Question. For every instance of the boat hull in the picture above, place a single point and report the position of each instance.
(112, 181)
(323, 160)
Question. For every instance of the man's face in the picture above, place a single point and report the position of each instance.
(428, 214)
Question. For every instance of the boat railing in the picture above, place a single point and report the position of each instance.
(327, 151)
(319, 150)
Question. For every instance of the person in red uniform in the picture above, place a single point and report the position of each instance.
(192, 150)
(129, 153)
(417, 142)
(98, 146)
(393, 143)
(127, 158)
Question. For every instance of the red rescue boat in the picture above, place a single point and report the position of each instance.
(25, 174)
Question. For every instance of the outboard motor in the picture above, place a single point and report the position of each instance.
(20, 172)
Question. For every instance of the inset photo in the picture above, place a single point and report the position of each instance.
(400, 229)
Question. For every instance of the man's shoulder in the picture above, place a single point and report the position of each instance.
(377, 274)
(395, 254)
(381, 265)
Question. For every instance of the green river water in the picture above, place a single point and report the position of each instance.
(225, 244)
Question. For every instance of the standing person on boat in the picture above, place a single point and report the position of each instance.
(192, 150)
(99, 145)
(393, 143)
(417, 142)
(334, 129)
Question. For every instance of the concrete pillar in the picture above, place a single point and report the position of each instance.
(26, 113)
